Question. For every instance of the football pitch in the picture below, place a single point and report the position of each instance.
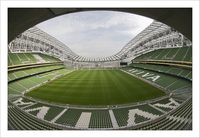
(96, 87)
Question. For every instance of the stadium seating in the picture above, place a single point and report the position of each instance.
(70, 117)
(100, 119)
(20, 86)
(177, 120)
(174, 54)
(20, 58)
(48, 58)
(27, 72)
(181, 72)
(122, 116)
(167, 82)
(27, 58)
(147, 85)
(62, 117)
(18, 120)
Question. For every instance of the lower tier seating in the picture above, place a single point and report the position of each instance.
(138, 117)
(181, 119)
(27, 72)
(167, 82)
(18, 120)
(180, 72)
(20, 86)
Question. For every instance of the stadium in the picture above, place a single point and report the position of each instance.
(147, 85)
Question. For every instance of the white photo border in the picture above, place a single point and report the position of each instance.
(194, 4)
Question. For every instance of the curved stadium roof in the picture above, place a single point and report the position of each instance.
(47, 42)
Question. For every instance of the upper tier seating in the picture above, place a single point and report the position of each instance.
(28, 58)
(174, 54)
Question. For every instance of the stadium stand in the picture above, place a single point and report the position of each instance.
(167, 82)
(70, 117)
(124, 115)
(100, 119)
(19, 120)
(21, 86)
(159, 56)
(27, 58)
(180, 119)
(20, 58)
(33, 71)
(177, 71)
(172, 54)
(48, 58)
(75, 118)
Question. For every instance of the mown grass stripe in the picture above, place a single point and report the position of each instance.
(96, 87)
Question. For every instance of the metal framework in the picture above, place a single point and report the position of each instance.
(157, 35)
(36, 40)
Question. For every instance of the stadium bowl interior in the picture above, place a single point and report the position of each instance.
(145, 86)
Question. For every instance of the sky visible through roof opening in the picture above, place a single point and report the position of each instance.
(95, 33)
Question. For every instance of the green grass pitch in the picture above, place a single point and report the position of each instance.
(96, 87)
